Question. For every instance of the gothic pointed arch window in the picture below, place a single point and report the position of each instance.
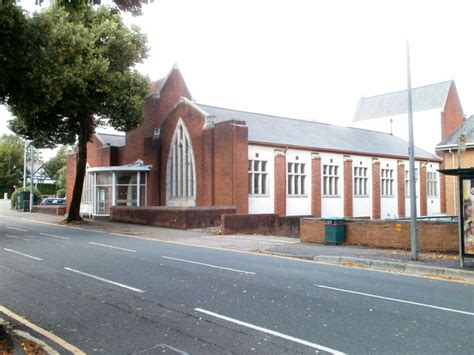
(181, 173)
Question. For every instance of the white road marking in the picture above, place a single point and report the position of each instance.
(271, 332)
(209, 265)
(17, 229)
(104, 280)
(112, 247)
(54, 236)
(396, 300)
(24, 237)
(25, 255)
(69, 347)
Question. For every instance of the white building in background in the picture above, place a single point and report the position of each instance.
(437, 112)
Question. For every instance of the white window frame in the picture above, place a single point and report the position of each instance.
(432, 184)
(361, 181)
(258, 173)
(181, 169)
(407, 182)
(296, 179)
(387, 182)
(331, 180)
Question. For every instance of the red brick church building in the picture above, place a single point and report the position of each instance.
(189, 154)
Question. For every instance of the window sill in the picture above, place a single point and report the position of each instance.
(332, 196)
(361, 196)
(296, 196)
(259, 196)
(388, 196)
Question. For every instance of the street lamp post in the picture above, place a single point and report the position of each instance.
(31, 181)
(413, 213)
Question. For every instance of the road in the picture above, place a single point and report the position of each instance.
(114, 294)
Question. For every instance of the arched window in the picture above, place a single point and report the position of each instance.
(181, 176)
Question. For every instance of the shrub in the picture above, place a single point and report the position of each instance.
(14, 198)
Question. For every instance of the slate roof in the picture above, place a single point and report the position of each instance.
(156, 86)
(467, 128)
(314, 135)
(424, 98)
(114, 140)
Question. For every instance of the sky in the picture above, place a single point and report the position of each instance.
(307, 59)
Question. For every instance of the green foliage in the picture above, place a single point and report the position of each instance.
(11, 163)
(46, 189)
(75, 74)
(12, 30)
(54, 165)
(61, 193)
(79, 76)
(14, 197)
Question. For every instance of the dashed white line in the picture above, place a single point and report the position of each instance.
(54, 236)
(17, 229)
(209, 265)
(113, 247)
(271, 332)
(22, 254)
(396, 300)
(104, 280)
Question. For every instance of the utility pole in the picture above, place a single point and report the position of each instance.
(24, 165)
(31, 182)
(413, 224)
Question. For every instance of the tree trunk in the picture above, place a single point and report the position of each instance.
(81, 160)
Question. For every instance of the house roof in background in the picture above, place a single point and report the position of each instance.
(429, 97)
(114, 140)
(467, 128)
(314, 135)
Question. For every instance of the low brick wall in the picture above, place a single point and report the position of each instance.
(433, 236)
(171, 217)
(55, 210)
(266, 224)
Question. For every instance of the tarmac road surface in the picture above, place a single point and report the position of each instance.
(112, 294)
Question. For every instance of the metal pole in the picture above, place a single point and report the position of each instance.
(413, 225)
(460, 221)
(31, 181)
(24, 165)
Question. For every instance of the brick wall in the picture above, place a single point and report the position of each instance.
(433, 236)
(423, 201)
(171, 217)
(70, 177)
(375, 189)
(316, 184)
(442, 184)
(280, 182)
(348, 188)
(401, 188)
(266, 224)
(156, 107)
(54, 210)
(453, 115)
(231, 164)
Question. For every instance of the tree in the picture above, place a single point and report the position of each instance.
(53, 166)
(78, 76)
(11, 163)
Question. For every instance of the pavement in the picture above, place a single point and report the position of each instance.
(435, 265)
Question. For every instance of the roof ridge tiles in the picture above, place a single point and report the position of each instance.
(401, 91)
(298, 119)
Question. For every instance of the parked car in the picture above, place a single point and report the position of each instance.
(53, 201)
